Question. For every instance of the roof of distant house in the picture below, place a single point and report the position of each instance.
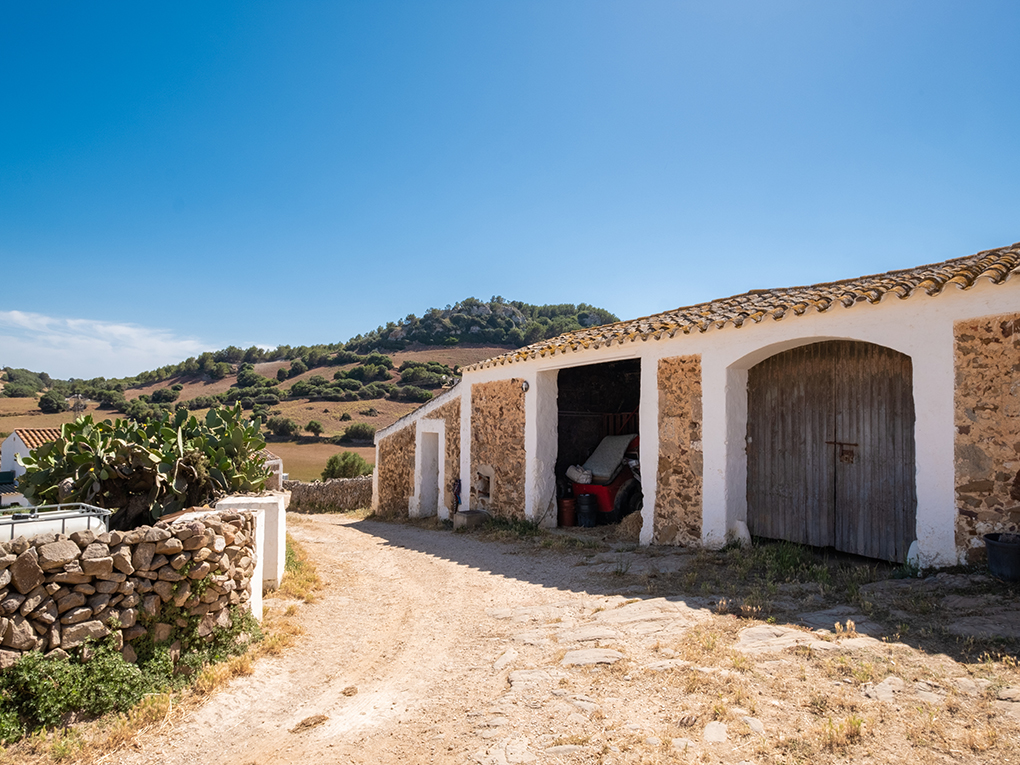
(757, 305)
(36, 437)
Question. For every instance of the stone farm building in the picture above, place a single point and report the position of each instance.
(878, 415)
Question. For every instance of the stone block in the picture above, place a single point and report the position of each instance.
(33, 600)
(143, 555)
(19, 635)
(156, 534)
(169, 546)
(122, 560)
(55, 554)
(97, 566)
(69, 601)
(76, 615)
(83, 538)
(26, 573)
(164, 589)
(77, 634)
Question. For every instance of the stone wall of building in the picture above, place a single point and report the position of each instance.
(57, 591)
(987, 419)
(396, 472)
(450, 413)
(497, 447)
(679, 477)
(335, 495)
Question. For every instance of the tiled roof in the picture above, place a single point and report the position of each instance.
(9, 488)
(36, 437)
(757, 305)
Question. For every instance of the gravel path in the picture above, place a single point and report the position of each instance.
(433, 647)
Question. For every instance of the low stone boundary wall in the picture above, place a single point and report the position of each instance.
(57, 591)
(334, 495)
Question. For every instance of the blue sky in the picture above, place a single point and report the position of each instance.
(176, 177)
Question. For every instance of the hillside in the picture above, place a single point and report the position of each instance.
(371, 380)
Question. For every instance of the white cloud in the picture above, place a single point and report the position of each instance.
(65, 347)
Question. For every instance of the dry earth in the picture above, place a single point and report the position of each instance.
(433, 647)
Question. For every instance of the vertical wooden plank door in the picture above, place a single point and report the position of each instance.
(830, 448)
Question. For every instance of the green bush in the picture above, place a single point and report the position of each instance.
(315, 428)
(52, 402)
(164, 396)
(18, 390)
(282, 426)
(38, 692)
(346, 465)
(359, 431)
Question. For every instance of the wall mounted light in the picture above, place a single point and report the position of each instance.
(525, 386)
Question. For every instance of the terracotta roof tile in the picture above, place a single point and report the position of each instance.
(757, 305)
(36, 437)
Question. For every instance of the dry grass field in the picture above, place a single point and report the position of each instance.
(303, 458)
(24, 413)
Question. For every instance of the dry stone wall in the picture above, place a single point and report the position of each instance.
(450, 414)
(987, 420)
(396, 472)
(497, 447)
(57, 591)
(679, 477)
(331, 496)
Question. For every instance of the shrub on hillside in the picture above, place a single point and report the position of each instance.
(282, 426)
(164, 396)
(359, 431)
(315, 428)
(18, 390)
(297, 367)
(346, 465)
(247, 377)
(410, 393)
(52, 402)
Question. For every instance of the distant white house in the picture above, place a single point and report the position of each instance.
(21, 441)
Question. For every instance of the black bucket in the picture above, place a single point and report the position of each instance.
(587, 510)
(1003, 557)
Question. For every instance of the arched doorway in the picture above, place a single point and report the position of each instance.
(830, 448)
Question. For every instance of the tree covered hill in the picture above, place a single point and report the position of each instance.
(359, 369)
(498, 322)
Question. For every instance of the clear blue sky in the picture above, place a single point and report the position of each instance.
(176, 177)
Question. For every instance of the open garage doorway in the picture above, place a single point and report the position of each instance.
(597, 449)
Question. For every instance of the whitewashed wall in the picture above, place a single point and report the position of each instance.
(920, 327)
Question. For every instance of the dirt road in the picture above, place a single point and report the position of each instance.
(434, 647)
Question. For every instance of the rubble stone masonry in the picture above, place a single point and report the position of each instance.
(450, 413)
(330, 496)
(987, 420)
(57, 591)
(497, 447)
(396, 472)
(679, 478)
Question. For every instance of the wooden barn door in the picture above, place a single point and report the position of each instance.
(830, 448)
